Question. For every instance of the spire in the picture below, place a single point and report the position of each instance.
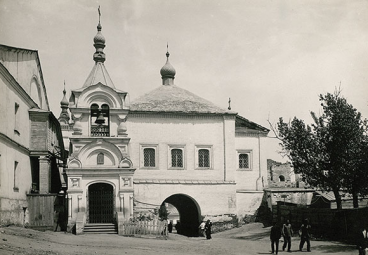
(64, 104)
(99, 42)
(167, 71)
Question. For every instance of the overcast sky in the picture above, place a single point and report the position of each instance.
(272, 58)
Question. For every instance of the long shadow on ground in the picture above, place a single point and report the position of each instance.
(334, 248)
(255, 236)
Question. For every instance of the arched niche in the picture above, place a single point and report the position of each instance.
(36, 92)
(100, 94)
(74, 163)
(88, 154)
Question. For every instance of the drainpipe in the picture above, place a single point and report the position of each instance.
(259, 185)
(224, 141)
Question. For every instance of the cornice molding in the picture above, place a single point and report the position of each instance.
(14, 143)
(185, 182)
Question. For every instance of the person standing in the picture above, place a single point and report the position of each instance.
(304, 233)
(287, 233)
(275, 237)
(201, 228)
(207, 229)
(363, 241)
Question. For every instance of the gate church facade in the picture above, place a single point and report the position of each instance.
(167, 146)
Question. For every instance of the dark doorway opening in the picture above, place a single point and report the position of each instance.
(189, 214)
(101, 203)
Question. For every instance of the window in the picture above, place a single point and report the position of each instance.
(16, 174)
(203, 157)
(176, 159)
(149, 157)
(100, 158)
(16, 119)
(244, 159)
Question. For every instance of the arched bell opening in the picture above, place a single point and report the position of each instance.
(100, 120)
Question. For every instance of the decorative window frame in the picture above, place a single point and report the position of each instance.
(196, 156)
(141, 156)
(169, 162)
(250, 158)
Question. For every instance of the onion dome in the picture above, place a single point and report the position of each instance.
(64, 101)
(99, 38)
(168, 72)
(99, 44)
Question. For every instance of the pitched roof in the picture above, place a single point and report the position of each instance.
(174, 99)
(243, 125)
(99, 74)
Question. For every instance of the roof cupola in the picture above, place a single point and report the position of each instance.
(99, 42)
(64, 104)
(167, 71)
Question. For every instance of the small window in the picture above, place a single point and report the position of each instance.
(281, 178)
(176, 158)
(16, 176)
(16, 119)
(100, 158)
(243, 161)
(149, 157)
(203, 158)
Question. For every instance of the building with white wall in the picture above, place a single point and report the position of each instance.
(31, 146)
(167, 146)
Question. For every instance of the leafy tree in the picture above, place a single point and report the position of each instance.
(163, 213)
(331, 154)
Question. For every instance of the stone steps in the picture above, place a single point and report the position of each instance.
(100, 228)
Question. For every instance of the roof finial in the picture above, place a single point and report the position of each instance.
(64, 91)
(167, 50)
(99, 41)
(99, 15)
(229, 104)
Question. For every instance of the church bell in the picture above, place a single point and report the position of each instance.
(100, 119)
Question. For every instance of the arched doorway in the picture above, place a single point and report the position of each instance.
(100, 203)
(189, 212)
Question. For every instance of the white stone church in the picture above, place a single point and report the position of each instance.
(167, 146)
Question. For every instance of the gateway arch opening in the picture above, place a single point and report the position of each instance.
(189, 213)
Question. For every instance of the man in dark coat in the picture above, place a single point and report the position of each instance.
(305, 235)
(275, 237)
(362, 239)
(207, 229)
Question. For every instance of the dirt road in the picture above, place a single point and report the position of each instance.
(249, 239)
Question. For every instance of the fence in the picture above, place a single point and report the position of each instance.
(326, 223)
(41, 210)
(141, 228)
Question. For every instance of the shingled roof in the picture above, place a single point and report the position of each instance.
(174, 99)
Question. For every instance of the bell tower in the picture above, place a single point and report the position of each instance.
(99, 156)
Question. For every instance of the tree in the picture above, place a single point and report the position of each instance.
(163, 213)
(331, 154)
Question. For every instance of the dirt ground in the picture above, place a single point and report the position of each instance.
(249, 239)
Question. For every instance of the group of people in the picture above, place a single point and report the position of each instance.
(287, 232)
(205, 229)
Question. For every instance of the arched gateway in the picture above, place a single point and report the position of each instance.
(189, 211)
(100, 203)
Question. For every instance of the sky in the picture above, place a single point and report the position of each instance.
(272, 58)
